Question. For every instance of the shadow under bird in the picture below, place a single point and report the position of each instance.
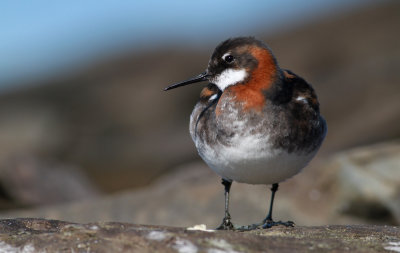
(255, 123)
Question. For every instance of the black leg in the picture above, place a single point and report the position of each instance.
(226, 221)
(274, 188)
(268, 222)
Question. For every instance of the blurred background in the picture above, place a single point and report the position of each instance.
(88, 134)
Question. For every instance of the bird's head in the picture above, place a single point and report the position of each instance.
(238, 61)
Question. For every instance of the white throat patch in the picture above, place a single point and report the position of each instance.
(229, 77)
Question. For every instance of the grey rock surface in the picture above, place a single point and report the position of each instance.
(27, 181)
(191, 195)
(39, 235)
(367, 182)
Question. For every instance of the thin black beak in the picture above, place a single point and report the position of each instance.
(200, 78)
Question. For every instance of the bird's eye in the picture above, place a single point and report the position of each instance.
(229, 58)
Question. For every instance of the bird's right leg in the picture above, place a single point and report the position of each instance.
(226, 221)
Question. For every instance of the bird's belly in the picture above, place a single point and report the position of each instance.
(251, 159)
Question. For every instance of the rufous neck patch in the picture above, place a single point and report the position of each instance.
(261, 78)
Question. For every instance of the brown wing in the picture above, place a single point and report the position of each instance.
(302, 92)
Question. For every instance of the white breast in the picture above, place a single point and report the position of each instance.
(251, 159)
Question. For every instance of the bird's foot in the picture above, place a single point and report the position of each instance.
(271, 223)
(249, 227)
(266, 224)
(226, 224)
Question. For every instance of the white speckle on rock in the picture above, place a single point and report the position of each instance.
(222, 245)
(156, 235)
(29, 249)
(184, 246)
(213, 250)
(393, 246)
(94, 227)
(7, 248)
(81, 245)
(200, 227)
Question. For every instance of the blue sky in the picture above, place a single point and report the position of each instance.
(44, 36)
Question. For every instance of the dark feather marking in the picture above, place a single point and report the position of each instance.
(205, 109)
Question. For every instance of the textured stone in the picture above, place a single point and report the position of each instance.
(39, 235)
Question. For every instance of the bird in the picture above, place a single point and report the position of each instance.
(255, 122)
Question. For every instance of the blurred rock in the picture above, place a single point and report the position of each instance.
(367, 183)
(37, 235)
(26, 129)
(26, 181)
(358, 186)
(191, 195)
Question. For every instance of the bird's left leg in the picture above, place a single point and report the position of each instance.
(268, 222)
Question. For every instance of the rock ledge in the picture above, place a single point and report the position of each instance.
(40, 235)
